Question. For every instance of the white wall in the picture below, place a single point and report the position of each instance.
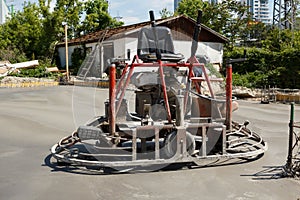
(131, 43)
(62, 52)
(119, 48)
(213, 50)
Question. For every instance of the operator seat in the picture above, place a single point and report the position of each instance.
(147, 47)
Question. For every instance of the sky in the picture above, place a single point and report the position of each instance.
(131, 11)
(134, 11)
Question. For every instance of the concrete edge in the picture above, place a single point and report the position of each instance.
(29, 84)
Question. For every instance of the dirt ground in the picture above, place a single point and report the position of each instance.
(33, 119)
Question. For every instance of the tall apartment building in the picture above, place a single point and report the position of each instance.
(259, 9)
(4, 11)
(176, 3)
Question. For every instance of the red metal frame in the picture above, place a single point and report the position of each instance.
(112, 100)
(193, 62)
(228, 96)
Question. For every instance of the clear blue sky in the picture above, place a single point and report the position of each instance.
(132, 11)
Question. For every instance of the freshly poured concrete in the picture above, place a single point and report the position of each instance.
(33, 119)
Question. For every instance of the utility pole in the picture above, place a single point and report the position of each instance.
(284, 14)
(67, 52)
(118, 17)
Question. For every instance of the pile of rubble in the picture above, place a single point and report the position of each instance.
(18, 80)
(243, 92)
(6, 68)
(15, 82)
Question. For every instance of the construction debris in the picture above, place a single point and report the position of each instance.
(25, 65)
(243, 92)
(12, 82)
(6, 67)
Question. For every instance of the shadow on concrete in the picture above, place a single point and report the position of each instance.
(55, 166)
(268, 173)
(65, 167)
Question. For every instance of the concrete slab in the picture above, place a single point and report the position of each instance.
(33, 119)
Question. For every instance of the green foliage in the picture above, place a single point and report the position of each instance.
(254, 79)
(13, 55)
(254, 34)
(97, 16)
(38, 72)
(36, 29)
(23, 31)
(257, 59)
(165, 13)
(69, 11)
(190, 8)
(213, 70)
(225, 17)
(274, 59)
(297, 24)
(276, 64)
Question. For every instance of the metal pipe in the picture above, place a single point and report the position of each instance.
(180, 110)
(208, 81)
(112, 99)
(291, 132)
(164, 88)
(123, 89)
(228, 96)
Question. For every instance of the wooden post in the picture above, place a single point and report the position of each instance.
(67, 51)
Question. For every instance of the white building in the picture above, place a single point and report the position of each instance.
(259, 9)
(4, 11)
(117, 42)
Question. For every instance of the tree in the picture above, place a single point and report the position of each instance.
(189, 8)
(36, 29)
(254, 33)
(165, 13)
(97, 16)
(52, 29)
(228, 17)
(23, 31)
(297, 23)
(13, 55)
(69, 11)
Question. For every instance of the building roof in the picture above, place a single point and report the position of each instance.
(178, 23)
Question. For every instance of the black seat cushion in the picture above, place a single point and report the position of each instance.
(147, 45)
